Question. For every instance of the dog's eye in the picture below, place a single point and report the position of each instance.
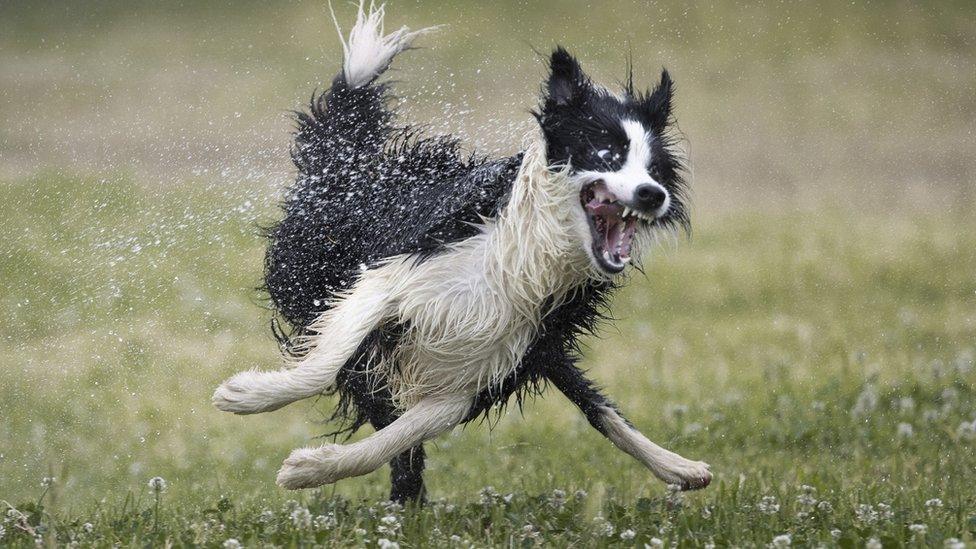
(603, 153)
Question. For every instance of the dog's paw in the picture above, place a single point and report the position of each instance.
(311, 467)
(688, 475)
(245, 393)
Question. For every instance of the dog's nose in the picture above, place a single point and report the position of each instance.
(649, 197)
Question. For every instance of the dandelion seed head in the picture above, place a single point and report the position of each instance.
(655, 542)
(905, 430)
(782, 540)
(627, 534)
(232, 543)
(873, 543)
(157, 484)
(47, 482)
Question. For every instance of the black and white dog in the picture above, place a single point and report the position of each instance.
(425, 286)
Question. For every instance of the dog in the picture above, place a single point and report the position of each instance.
(427, 288)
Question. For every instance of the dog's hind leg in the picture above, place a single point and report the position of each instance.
(602, 415)
(310, 467)
(337, 335)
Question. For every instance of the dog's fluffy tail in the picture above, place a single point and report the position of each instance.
(368, 51)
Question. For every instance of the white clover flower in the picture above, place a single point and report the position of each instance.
(390, 520)
(529, 532)
(232, 543)
(325, 522)
(918, 529)
(768, 505)
(359, 532)
(906, 405)
(604, 528)
(301, 517)
(266, 516)
(557, 499)
(905, 430)
(655, 542)
(954, 543)
(806, 500)
(580, 494)
(866, 402)
(836, 533)
(865, 513)
(157, 484)
(47, 482)
(934, 503)
(825, 507)
(884, 511)
(782, 540)
(674, 497)
(873, 543)
(88, 527)
(488, 495)
(384, 543)
(627, 534)
(455, 538)
(966, 431)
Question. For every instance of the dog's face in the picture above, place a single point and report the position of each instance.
(618, 151)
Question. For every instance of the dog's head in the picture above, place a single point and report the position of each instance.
(619, 151)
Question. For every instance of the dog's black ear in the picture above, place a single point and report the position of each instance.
(657, 104)
(567, 83)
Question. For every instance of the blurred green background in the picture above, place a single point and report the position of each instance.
(142, 144)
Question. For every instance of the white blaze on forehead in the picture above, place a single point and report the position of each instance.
(639, 152)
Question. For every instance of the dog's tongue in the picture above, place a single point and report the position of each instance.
(618, 234)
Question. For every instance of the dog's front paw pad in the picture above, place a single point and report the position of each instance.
(310, 467)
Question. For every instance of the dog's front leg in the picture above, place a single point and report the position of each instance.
(602, 415)
(310, 467)
(337, 335)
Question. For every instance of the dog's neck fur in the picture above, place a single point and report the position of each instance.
(534, 255)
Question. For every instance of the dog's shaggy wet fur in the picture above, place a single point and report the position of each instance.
(425, 286)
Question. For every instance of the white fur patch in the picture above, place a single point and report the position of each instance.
(368, 51)
(666, 465)
(308, 467)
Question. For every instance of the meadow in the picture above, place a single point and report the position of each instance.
(813, 339)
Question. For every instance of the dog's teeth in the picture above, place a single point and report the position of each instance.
(626, 211)
(606, 256)
(625, 259)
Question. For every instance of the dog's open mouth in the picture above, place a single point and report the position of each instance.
(612, 225)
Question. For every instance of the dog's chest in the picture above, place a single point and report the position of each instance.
(469, 320)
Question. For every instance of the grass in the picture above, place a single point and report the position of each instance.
(795, 349)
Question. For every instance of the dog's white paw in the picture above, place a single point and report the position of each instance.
(687, 474)
(245, 393)
(311, 467)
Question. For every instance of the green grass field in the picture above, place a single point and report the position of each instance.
(814, 341)
(806, 349)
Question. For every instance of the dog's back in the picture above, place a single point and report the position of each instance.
(367, 190)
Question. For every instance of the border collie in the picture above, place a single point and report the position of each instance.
(425, 286)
